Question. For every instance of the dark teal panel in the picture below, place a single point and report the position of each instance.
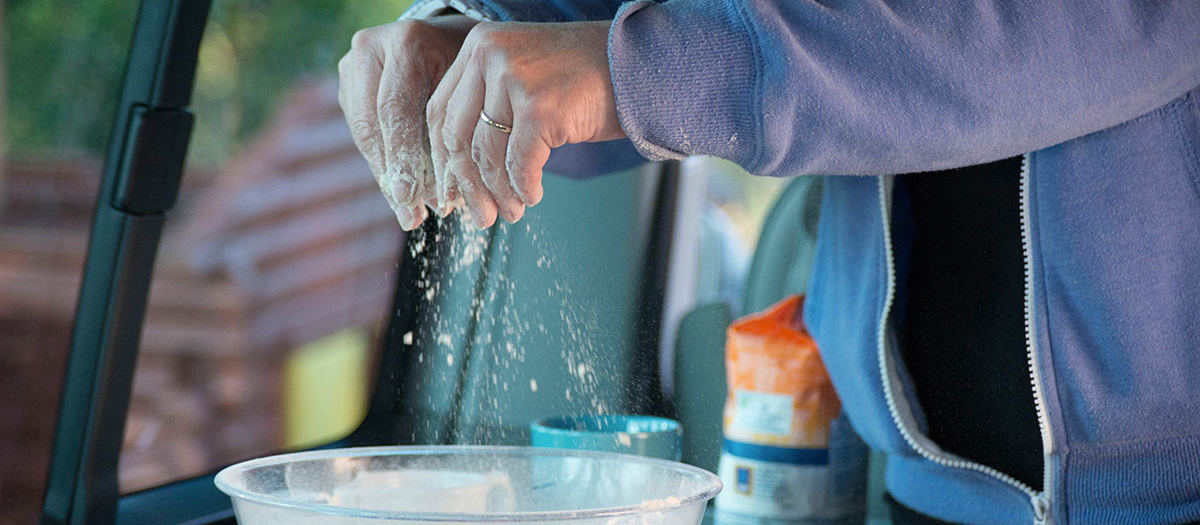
(700, 382)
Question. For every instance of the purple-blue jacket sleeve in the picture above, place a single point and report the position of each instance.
(789, 87)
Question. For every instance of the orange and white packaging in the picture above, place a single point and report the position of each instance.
(787, 453)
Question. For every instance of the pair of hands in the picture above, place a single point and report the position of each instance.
(412, 92)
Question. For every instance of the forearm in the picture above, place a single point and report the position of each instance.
(787, 88)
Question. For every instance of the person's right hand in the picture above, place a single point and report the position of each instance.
(385, 81)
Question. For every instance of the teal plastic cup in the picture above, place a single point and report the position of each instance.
(648, 436)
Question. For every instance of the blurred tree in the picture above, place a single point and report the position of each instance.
(63, 62)
(65, 59)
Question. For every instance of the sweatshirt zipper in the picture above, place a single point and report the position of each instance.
(1041, 504)
(1040, 500)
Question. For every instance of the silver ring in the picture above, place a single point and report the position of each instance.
(488, 120)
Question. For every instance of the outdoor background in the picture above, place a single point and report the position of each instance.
(230, 335)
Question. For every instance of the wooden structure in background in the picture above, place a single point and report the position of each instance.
(290, 242)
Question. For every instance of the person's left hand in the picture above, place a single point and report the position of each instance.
(549, 82)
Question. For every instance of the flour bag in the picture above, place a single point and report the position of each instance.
(787, 452)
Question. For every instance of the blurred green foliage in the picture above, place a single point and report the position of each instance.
(65, 60)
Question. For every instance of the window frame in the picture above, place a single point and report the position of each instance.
(139, 185)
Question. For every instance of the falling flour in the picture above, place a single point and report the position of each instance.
(474, 294)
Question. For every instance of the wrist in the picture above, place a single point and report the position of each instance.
(450, 20)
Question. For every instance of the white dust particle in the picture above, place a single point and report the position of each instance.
(505, 315)
(407, 338)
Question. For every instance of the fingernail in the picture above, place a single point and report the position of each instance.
(479, 221)
(538, 194)
(405, 217)
(512, 210)
(521, 195)
(516, 213)
(525, 200)
(419, 216)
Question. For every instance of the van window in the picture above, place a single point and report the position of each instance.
(275, 272)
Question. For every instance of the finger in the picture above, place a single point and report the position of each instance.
(430, 195)
(410, 217)
(429, 192)
(419, 213)
(456, 135)
(462, 117)
(435, 111)
(359, 73)
(452, 194)
(401, 112)
(488, 149)
(527, 153)
(477, 199)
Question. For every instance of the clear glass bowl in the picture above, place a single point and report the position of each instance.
(466, 484)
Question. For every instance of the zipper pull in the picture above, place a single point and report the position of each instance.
(1041, 510)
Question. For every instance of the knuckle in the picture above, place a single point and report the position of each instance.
(509, 78)
(515, 165)
(466, 185)
(362, 38)
(363, 129)
(519, 166)
(536, 112)
(487, 37)
(390, 105)
(480, 33)
(430, 110)
(454, 145)
(409, 33)
(482, 157)
(479, 154)
(498, 54)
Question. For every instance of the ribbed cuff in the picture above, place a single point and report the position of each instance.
(686, 79)
(428, 8)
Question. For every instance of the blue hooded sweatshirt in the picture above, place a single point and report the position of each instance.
(1103, 100)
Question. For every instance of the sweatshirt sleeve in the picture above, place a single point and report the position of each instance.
(790, 87)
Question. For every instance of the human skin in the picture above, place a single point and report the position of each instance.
(550, 82)
(412, 85)
(385, 81)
